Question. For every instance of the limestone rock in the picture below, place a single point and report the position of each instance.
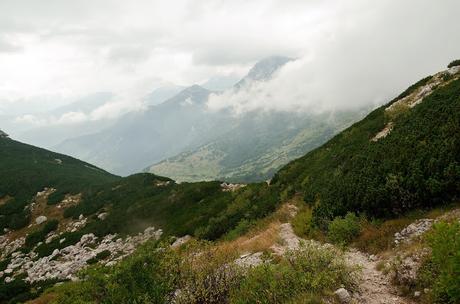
(41, 219)
(343, 295)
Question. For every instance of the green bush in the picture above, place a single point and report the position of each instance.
(454, 63)
(206, 275)
(38, 236)
(441, 272)
(56, 197)
(103, 254)
(342, 230)
(310, 273)
(148, 276)
(302, 223)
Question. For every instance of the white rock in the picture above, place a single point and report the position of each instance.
(102, 216)
(180, 241)
(343, 295)
(417, 294)
(41, 219)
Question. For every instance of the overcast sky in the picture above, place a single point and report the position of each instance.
(350, 52)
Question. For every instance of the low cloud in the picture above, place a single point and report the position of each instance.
(367, 55)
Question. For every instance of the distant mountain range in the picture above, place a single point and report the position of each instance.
(187, 141)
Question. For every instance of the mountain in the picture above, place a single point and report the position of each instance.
(263, 70)
(256, 147)
(59, 215)
(162, 94)
(402, 156)
(26, 169)
(355, 189)
(258, 143)
(160, 131)
(182, 123)
(220, 83)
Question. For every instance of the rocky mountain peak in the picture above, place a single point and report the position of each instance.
(264, 70)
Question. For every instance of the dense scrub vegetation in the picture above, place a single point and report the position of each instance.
(201, 209)
(441, 271)
(417, 166)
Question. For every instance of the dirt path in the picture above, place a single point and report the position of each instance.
(375, 287)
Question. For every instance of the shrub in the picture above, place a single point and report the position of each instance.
(378, 236)
(56, 197)
(38, 236)
(442, 270)
(342, 230)
(454, 63)
(207, 275)
(103, 254)
(301, 223)
(310, 273)
(148, 276)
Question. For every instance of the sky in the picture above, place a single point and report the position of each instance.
(349, 53)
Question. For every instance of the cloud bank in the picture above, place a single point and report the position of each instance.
(352, 53)
(366, 54)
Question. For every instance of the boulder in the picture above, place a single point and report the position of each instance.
(343, 295)
(41, 219)
(180, 241)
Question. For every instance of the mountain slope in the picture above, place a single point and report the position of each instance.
(160, 131)
(26, 169)
(258, 145)
(401, 156)
(182, 123)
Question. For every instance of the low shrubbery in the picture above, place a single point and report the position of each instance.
(38, 236)
(302, 222)
(310, 274)
(149, 276)
(56, 197)
(201, 273)
(441, 271)
(342, 230)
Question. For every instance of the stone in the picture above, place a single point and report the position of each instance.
(181, 241)
(102, 216)
(8, 271)
(41, 219)
(417, 294)
(343, 295)
(249, 260)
